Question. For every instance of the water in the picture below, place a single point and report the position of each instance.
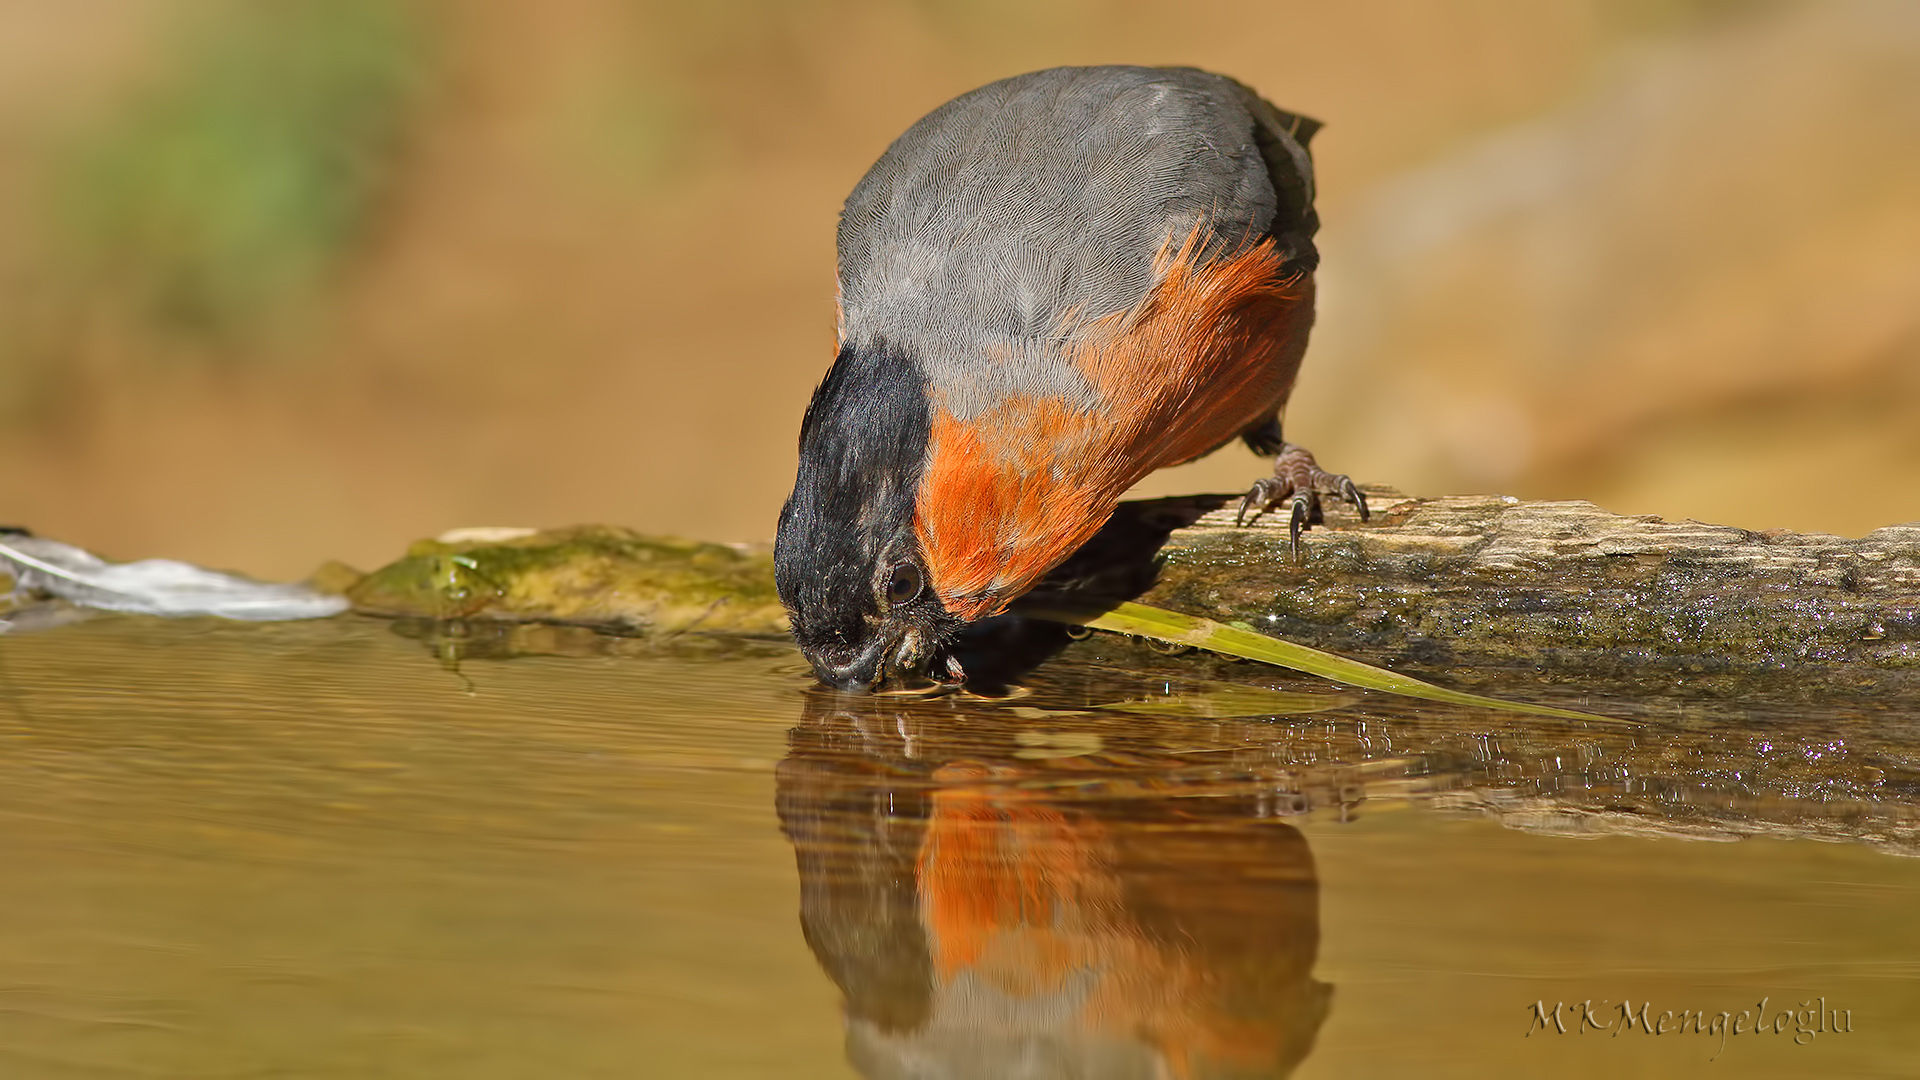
(319, 850)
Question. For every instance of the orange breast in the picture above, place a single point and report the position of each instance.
(1211, 350)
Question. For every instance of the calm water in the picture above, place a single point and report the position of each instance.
(317, 850)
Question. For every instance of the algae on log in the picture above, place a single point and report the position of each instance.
(1473, 590)
(1481, 588)
(608, 578)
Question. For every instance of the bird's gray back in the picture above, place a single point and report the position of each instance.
(1048, 193)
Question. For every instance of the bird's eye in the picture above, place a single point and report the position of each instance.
(904, 584)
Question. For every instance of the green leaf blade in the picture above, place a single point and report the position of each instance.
(1160, 624)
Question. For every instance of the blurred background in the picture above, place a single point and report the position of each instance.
(290, 280)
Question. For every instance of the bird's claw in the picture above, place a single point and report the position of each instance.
(1305, 508)
(1354, 497)
(1240, 516)
(1298, 480)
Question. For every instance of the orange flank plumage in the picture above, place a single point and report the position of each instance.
(1212, 350)
(1209, 352)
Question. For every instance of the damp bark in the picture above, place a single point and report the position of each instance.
(1469, 591)
(1485, 589)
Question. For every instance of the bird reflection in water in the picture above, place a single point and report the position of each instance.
(991, 911)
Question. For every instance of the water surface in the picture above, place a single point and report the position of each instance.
(319, 850)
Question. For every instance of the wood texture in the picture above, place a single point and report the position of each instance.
(1481, 589)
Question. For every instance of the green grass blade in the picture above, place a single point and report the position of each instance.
(1171, 626)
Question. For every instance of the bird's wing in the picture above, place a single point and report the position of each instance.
(1016, 213)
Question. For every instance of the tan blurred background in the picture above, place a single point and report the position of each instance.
(290, 280)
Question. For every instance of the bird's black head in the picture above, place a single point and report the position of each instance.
(846, 559)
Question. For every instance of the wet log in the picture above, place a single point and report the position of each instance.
(1483, 590)
(1470, 591)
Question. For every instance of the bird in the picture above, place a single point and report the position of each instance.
(1049, 287)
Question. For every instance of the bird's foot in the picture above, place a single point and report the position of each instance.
(1298, 479)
